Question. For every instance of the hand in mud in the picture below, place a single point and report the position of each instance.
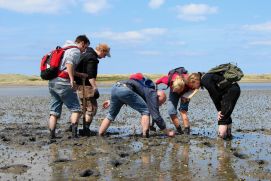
(170, 133)
(219, 116)
(73, 84)
(106, 104)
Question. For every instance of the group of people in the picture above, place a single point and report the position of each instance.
(80, 92)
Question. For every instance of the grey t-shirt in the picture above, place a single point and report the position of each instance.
(71, 56)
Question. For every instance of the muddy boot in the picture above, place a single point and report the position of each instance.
(186, 130)
(52, 134)
(229, 135)
(146, 135)
(153, 128)
(85, 131)
(69, 128)
(74, 131)
(179, 129)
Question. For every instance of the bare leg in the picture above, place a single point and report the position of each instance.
(175, 120)
(104, 126)
(52, 126)
(52, 122)
(222, 131)
(145, 123)
(75, 116)
(185, 118)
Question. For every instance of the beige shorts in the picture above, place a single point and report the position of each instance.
(91, 102)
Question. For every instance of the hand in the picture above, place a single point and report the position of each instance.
(96, 94)
(170, 133)
(106, 104)
(219, 116)
(73, 84)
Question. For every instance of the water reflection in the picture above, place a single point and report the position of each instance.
(225, 169)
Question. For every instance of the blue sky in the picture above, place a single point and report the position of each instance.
(149, 36)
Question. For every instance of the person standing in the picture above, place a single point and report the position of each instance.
(89, 65)
(62, 88)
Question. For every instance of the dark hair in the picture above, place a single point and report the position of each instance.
(83, 38)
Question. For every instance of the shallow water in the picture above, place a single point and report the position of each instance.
(43, 90)
(26, 153)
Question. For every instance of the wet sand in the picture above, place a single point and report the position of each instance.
(27, 154)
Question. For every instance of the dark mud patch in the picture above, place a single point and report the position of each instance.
(62, 160)
(240, 155)
(15, 169)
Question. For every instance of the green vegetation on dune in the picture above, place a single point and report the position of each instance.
(18, 79)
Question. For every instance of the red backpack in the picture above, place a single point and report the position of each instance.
(144, 81)
(49, 68)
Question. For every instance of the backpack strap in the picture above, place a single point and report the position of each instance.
(62, 73)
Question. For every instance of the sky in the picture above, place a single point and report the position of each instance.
(148, 36)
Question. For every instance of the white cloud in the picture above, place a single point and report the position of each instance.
(52, 6)
(95, 6)
(131, 36)
(259, 27)
(154, 4)
(195, 12)
(261, 42)
(36, 6)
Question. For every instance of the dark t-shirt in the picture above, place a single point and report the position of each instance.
(210, 81)
(88, 64)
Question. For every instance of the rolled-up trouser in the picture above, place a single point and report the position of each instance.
(121, 94)
(228, 102)
(91, 101)
(62, 94)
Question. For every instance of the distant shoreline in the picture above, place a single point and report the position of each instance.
(106, 79)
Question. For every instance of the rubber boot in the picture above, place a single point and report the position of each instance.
(186, 130)
(229, 135)
(146, 135)
(179, 129)
(74, 131)
(86, 130)
(52, 134)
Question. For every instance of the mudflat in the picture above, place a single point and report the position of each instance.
(27, 154)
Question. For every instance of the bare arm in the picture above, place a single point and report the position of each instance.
(71, 74)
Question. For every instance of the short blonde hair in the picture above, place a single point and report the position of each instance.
(178, 83)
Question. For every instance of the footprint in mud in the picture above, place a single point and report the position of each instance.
(15, 169)
(86, 173)
(240, 155)
(62, 160)
(122, 155)
(115, 163)
(205, 143)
